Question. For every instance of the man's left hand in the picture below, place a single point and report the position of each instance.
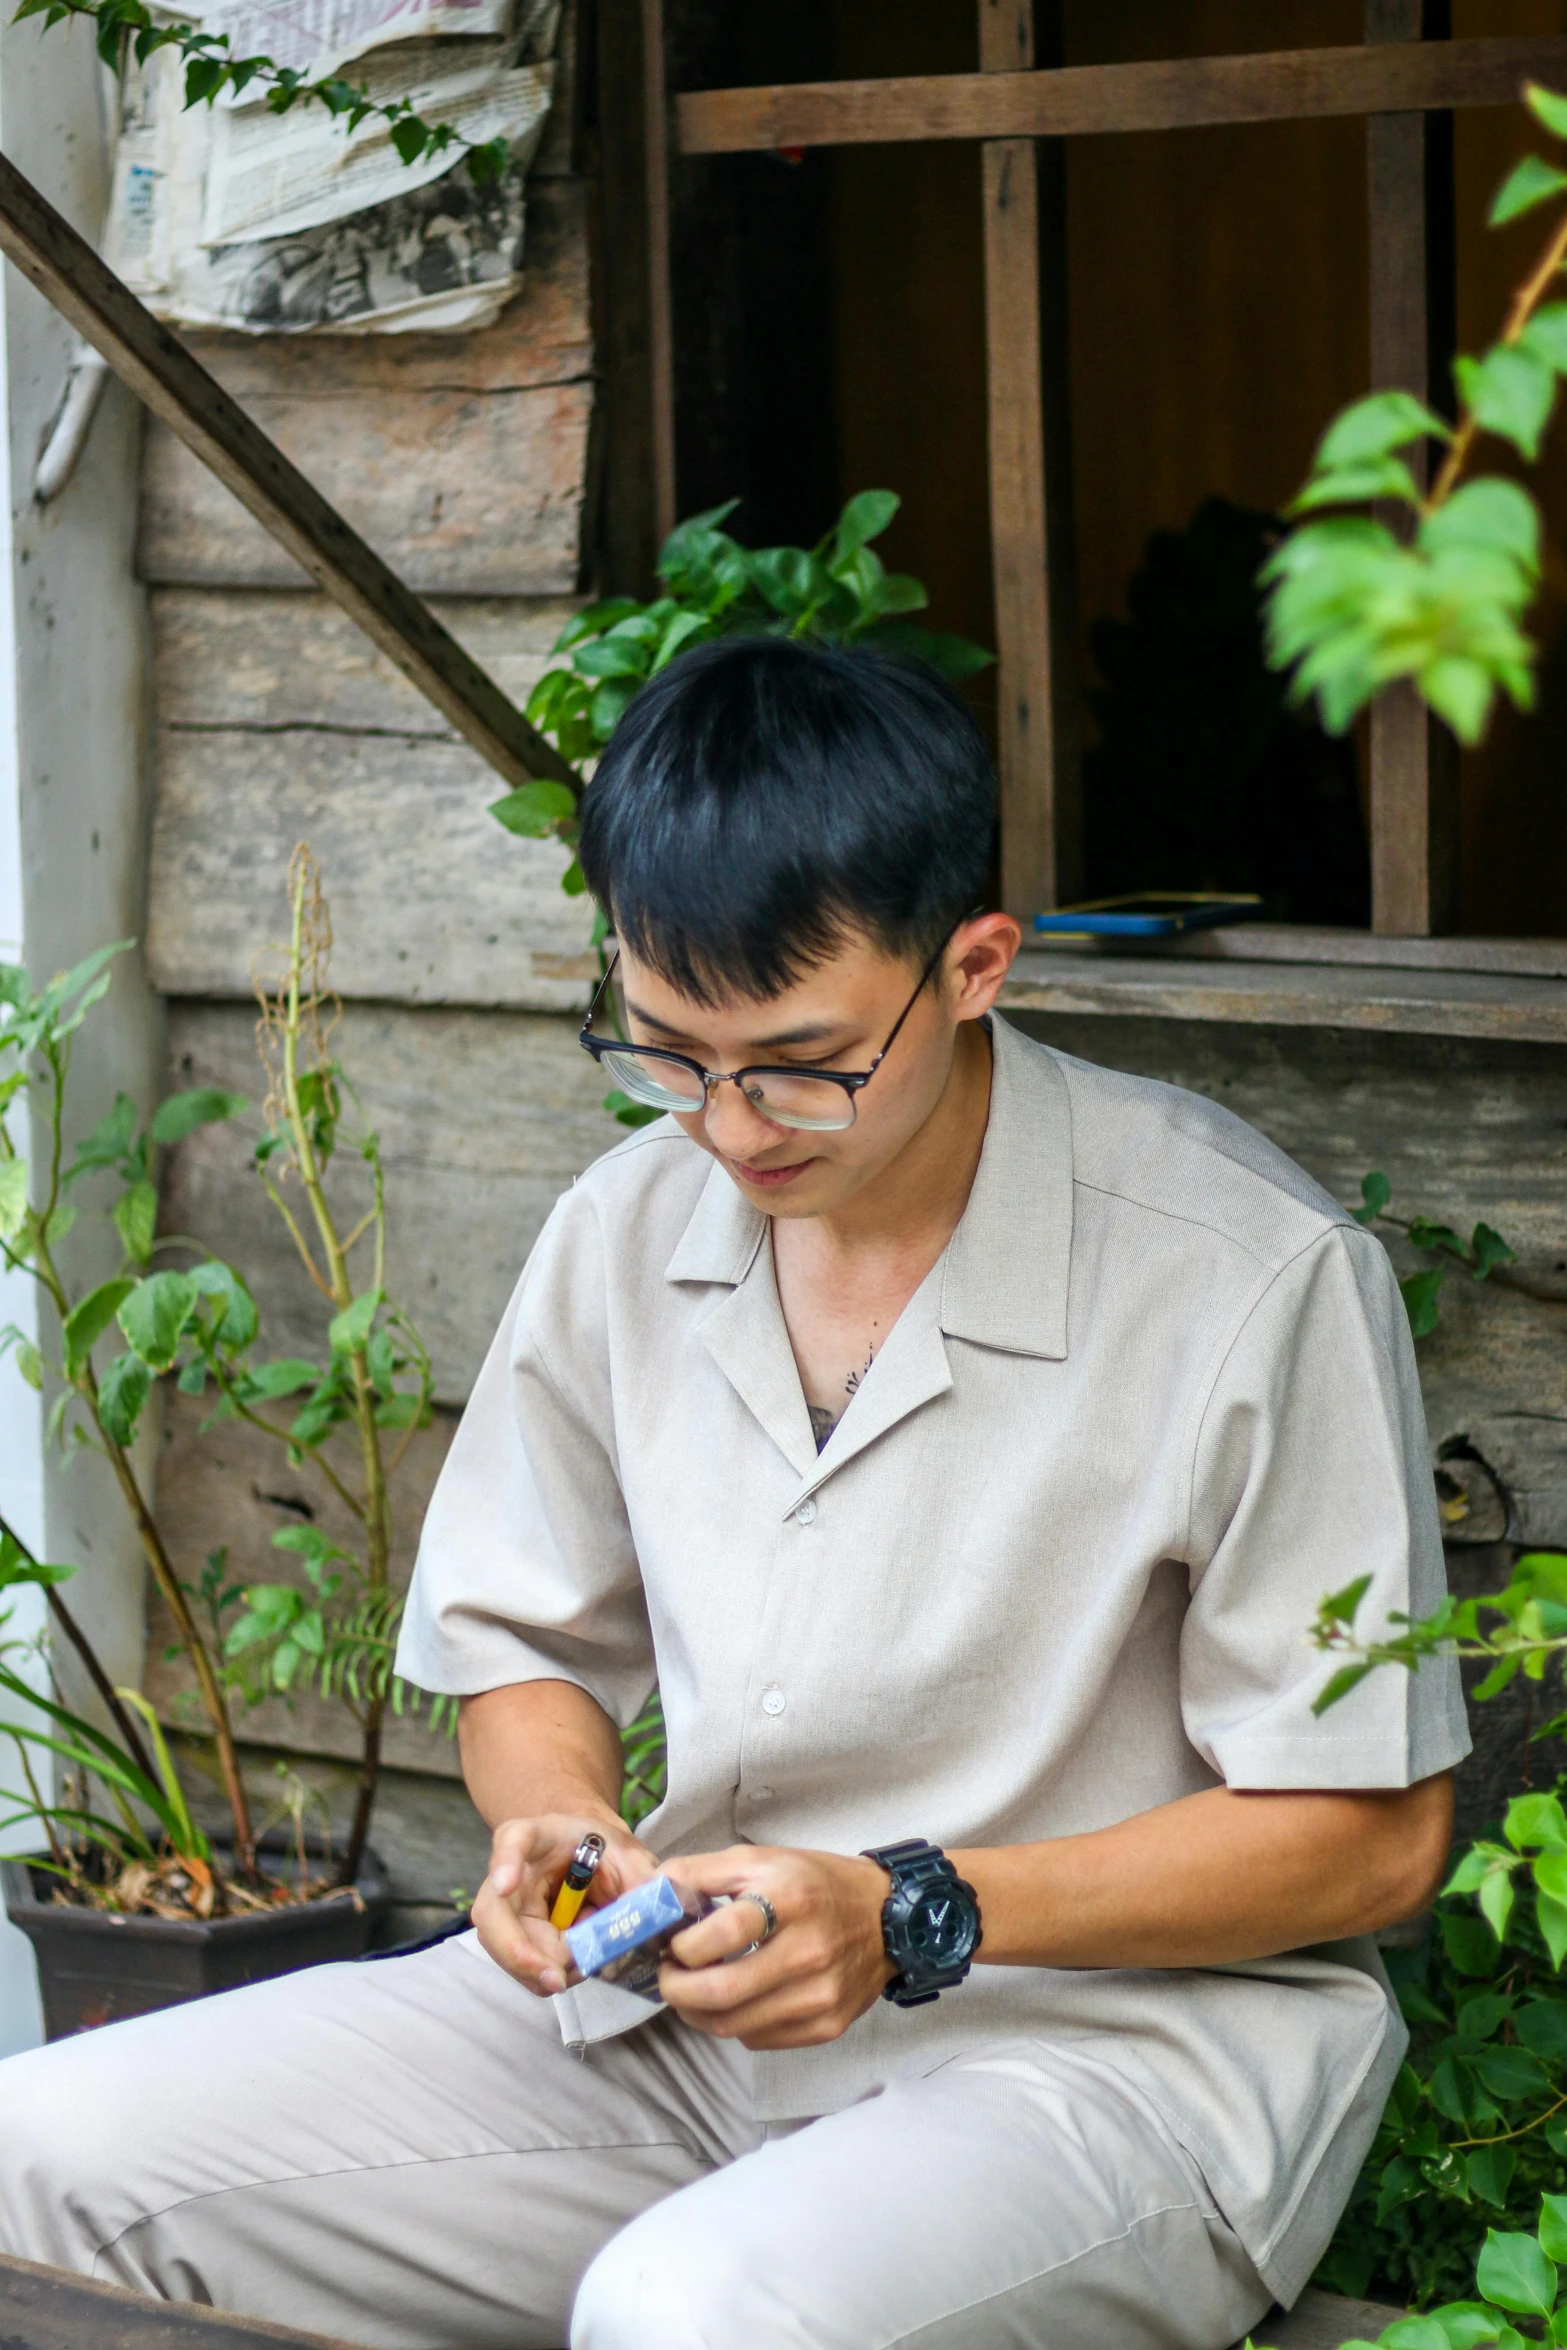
(824, 1966)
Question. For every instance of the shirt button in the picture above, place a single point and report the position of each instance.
(806, 1513)
(773, 1701)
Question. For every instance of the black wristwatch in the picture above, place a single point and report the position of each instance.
(930, 1926)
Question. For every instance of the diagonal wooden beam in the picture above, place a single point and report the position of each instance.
(177, 388)
(1166, 93)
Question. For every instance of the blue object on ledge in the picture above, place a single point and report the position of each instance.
(1148, 914)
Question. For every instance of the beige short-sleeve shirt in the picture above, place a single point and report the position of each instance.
(1054, 1567)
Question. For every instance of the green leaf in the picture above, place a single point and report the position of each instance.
(1470, 1945)
(1534, 1820)
(1511, 2073)
(203, 1105)
(1488, 1249)
(1546, 332)
(88, 1320)
(1421, 1294)
(1541, 2024)
(1375, 1192)
(110, 1141)
(1553, 2226)
(1550, 1874)
(1460, 692)
(410, 137)
(1494, 515)
(235, 1322)
(270, 1381)
(349, 1330)
(1465, 2325)
(1510, 393)
(1348, 1677)
(13, 1197)
(154, 1315)
(1342, 1607)
(1531, 181)
(534, 810)
(136, 1220)
(1495, 1899)
(574, 881)
(609, 704)
(1513, 2272)
(613, 656)
(122, 1394)
(1547, 107)
(1551, 1918)
(1414, 2333)
(865, 517)
(1375, 426)
(1351, 485)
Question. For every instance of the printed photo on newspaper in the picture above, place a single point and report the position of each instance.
(237, 217)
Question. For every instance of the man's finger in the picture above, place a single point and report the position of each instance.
(527, 1947)
(738, 1926)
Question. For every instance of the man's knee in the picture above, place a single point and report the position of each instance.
(664, 2284)
(54, 2146)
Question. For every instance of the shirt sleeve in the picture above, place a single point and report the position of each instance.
(527, 1570)
(1312, 1468)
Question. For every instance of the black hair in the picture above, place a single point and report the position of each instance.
(761, 802)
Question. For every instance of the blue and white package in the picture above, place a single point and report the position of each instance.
(625, 1941)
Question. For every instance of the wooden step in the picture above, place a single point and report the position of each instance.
(1321, 2321)
(53, 2309)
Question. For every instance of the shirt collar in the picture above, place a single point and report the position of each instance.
(1005, 1278)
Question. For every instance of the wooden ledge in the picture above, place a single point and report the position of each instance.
(1431, 1002)
(54, 2309)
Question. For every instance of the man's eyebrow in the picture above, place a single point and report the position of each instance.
(810, 1032)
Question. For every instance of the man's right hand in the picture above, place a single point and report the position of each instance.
(528, 1859)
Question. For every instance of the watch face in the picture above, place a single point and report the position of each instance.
(941, 1926)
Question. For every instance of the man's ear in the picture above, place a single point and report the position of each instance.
(979, 959)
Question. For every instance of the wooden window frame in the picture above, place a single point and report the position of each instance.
(1405, 79)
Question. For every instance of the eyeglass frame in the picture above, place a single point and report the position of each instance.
(852, 1081)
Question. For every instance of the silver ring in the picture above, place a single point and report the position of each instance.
(769, 1917)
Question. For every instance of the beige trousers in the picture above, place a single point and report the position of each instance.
(404, 2154)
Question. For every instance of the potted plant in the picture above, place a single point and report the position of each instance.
(129, 1906)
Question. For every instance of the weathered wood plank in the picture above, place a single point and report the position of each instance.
(461, 457)
(266, 658)
(1409, 191)
(465, 493)
(1321, 2321)
(54, 2309)
(1356, 996)
(1030, 493)
(1167, 93)
(1463, 1131)
(282, 504)
(1285, 942)
(431, 901)
(232, 1489)
(485, 1118)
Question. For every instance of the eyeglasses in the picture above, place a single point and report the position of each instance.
(820, 1101)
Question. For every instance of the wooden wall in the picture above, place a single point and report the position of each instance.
(467, 462)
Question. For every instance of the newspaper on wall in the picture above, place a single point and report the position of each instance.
(240, 218)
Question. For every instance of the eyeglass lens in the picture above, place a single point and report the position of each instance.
(810, 1102)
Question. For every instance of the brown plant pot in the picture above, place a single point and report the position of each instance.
(95, 1967)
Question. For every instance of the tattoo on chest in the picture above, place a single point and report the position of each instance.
(823, 1418)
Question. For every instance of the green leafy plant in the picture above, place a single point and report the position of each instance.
(1479, 1256)
(1354, 604)
(210, 70)
(837, 592)
(1517, 2294)
(348, 1416)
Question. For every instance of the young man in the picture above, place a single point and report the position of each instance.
(963, 1436)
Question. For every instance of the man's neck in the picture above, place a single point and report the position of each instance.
(916, 1203)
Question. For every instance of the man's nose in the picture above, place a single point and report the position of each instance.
(736, 1126)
